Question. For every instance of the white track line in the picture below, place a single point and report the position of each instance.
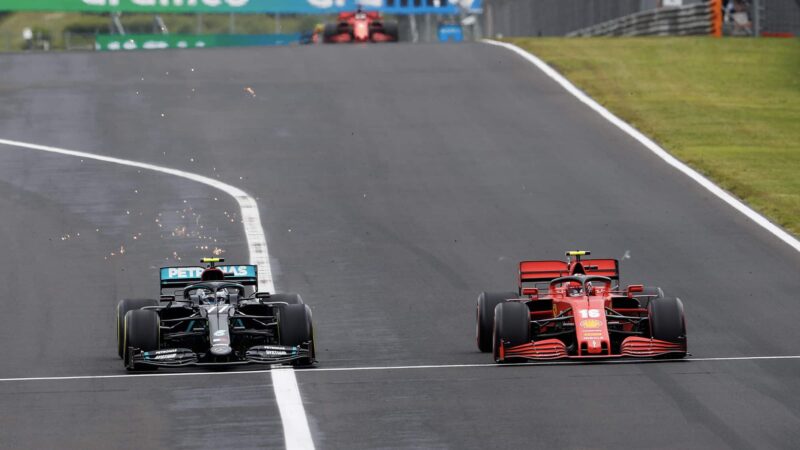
(287, 394)
(652, 146)
(282, 371)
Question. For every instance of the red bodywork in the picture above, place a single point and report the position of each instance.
(578, 310)
(360, 26)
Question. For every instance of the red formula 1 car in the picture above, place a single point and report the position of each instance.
(360, 26)
(577, 309)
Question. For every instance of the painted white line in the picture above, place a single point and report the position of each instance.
(295, 424)
(282, 371)
(256, 242)
(548, 363)
(138, 375)
(287, 394)
(652, 146)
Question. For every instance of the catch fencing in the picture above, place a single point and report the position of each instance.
(778, 17)
(551, 17)
(675, 21)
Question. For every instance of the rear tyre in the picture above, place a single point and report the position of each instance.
(667, 322)
(123, 307)
(650, 293)
(141, 328)
(295, 328)
(484, 317)
(289, 297)
(512, 325)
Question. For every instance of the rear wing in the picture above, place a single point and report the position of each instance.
(178, 277)
(602, 267)
(544, 271)
(538, 271)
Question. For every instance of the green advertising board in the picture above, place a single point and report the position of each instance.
(243, 6)
(165, 41)
(180, 6)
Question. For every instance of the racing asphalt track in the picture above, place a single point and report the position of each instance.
(395, 183)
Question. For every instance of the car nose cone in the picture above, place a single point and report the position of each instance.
(220, 350)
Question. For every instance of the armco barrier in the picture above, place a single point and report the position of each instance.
(676, 21)
(164, 41)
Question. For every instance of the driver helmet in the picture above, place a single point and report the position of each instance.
(222, 296)
(574, 289)
(202, 295)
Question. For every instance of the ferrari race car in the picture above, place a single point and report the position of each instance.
(360, 26)
(577, 309)
(214, 316)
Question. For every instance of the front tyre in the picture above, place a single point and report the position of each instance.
(141, 331)
(390, 29)
(295, 328)
(667, 322)
(484, 317)
(125, 305)
(512, 326)
(329, 32)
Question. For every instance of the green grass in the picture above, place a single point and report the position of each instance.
(55, 24)
(728, 107)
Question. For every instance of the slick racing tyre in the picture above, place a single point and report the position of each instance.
(512, 325)
(330, 30)
(648, 294)
(289, 297)
(390, 29)
(141, 330)
(295, 328)
(651, 291)
(667, 322)
(128, 304)
(484, 317)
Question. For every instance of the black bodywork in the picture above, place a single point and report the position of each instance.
(221, 323)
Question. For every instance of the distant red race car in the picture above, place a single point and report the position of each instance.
(577, 309)
(360, 26)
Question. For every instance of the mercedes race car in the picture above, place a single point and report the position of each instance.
(577, 309)
(214, 315)
(360, 26)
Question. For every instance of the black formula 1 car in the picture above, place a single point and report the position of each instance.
(214, 316)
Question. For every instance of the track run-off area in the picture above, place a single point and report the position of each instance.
(393, 184)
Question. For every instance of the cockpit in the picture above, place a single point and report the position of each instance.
(214, 293)
(580, 285)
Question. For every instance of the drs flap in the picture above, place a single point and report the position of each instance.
(536, 271)
(186, 275)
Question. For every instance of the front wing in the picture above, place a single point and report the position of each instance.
(549, 349)
(182, 357)
(375, 37)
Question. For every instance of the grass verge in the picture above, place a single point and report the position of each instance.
(730, 107)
